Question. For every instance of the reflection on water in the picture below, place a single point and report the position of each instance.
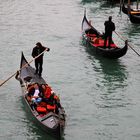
(113, 72)
(87, 1)
(102, 3)
(132, 30)
(111, 81)
(115, 75)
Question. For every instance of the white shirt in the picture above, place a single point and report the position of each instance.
(36, 92)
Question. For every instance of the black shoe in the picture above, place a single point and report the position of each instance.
(39, 75)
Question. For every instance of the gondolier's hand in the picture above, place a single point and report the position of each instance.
(47, 49)
(17, 74)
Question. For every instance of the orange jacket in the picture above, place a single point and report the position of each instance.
(47, 92)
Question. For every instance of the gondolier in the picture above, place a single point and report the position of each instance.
(109, 28)
(38, 49)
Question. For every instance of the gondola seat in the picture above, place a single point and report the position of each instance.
(41, 109)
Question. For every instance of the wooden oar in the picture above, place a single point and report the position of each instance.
(128, 43)
(22, 67)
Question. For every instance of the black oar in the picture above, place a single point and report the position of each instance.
(120, 6)
(137, 4)
(22, 67)
(128, 44)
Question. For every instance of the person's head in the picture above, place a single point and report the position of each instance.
(44, 86)
(110, 18)
(36, 86)
(38, 44)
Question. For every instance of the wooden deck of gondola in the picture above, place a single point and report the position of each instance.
(38, 79)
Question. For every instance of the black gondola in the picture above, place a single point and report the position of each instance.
(134, 18)
(124, 9)
(53, 123)
(133, 14)
(93, 39)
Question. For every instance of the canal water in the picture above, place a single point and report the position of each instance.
(101, 97)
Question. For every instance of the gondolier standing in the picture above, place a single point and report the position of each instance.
(38, 49)
(109, 28)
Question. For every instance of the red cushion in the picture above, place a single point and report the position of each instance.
(41, 109)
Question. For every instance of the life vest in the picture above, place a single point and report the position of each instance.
(96, 40)
(47, 92)
(56, 97)
(42, 104)
(41, 109)
(51, 107)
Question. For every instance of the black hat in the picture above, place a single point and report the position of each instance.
(38, 44)
(110, 17)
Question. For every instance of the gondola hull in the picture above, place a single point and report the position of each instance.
(57, 132)
(134, 15)
(124, 9)
(113, 52)
(108, 53)
(134, 18)
(52, 123)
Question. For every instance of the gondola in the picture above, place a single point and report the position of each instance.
(93, 39)
(48, 120)
(124, 9)
(135, 18)
(133, 14)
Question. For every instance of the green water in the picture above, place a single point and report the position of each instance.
(101, 97)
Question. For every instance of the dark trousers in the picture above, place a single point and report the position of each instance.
(38, 65)
(108, 36)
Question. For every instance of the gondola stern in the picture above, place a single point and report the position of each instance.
(126, 42)
(23, 60)
(84, 19)
(85, 23)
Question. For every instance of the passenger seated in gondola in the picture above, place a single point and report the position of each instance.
(50, 98)
(57, 102)
(91, 31)
(54, 103)
(34, 94)
(46, 93)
